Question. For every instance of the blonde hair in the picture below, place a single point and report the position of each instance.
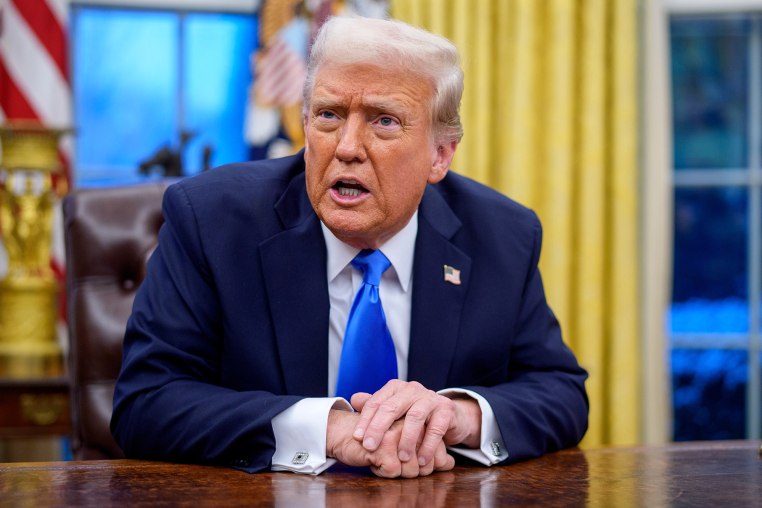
(354, 40)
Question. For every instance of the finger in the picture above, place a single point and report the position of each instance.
(385, 465)
(392, 403)
(387, 470)
(410, 469)
(384, 461)
(370, 406)
(359, 399)
(414, 427)
(380, 411)
(426, 469)
(443, 461)
(439, 423)
(341, 445)
(466, 427)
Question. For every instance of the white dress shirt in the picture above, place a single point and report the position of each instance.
(300, 430)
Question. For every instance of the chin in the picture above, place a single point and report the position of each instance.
(351, 234)
(345, 232)
(347, 221)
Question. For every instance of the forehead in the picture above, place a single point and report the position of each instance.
(371, 84)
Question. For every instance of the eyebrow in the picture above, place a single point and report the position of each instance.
(374, 102)
(384, 103)
(324, 102)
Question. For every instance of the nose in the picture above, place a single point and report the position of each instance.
(350, 147)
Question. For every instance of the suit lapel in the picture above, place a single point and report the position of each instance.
(294, 270)
(437, 304)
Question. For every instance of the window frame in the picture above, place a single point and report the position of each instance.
(237, 6)
(749, 178)
(182, 9)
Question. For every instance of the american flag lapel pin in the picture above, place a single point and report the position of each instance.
(451, 275)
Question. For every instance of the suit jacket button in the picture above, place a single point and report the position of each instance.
(242, 462)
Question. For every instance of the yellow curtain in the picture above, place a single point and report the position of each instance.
(550, 118)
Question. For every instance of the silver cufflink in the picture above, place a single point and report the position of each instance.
(495, 448)
(300, 458)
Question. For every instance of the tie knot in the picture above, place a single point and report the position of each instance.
(372, 263)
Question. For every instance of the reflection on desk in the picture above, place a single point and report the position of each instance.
(694, 474)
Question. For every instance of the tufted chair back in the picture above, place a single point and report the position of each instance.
(109, 235)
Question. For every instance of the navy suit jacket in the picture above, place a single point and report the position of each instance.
(230, 326)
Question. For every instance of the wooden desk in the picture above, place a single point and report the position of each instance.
(699, 474)
(34, 407)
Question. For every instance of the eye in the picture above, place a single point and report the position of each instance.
(328, 115)
(387, 121)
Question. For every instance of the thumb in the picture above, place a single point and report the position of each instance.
(358, 400)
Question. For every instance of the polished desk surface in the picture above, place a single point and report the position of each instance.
(693, 474)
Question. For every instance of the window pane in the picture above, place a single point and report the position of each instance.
(709, 91)
(217, 76)
(709, 394)
(710, 261)
(125, 90)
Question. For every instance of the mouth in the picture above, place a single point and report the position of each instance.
(349, 189)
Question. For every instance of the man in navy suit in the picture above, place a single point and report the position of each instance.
(233, 349)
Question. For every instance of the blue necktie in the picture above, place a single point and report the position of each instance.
(368, 359)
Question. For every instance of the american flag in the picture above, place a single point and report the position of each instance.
(451, 275)
(279, 69)
(281, 73)
(34, 80)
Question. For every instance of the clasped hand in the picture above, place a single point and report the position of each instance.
(403, 430)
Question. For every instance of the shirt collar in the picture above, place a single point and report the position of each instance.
(399, 249)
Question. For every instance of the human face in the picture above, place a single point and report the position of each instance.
(370, 150)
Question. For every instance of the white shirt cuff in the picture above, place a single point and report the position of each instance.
(492, 447)
(300, 435)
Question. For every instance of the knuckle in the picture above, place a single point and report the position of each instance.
(416, 415)
(390, 406)
(373, 403)
(437, 429)
(445, 403)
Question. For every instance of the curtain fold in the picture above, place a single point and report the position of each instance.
(550, 112)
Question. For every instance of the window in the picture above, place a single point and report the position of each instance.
(145, 80)
(715, 315)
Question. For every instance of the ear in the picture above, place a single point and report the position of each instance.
(305, 125)
(445, 151)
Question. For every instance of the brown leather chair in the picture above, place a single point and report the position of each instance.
(109, 235)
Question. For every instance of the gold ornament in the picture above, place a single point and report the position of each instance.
(29, 292)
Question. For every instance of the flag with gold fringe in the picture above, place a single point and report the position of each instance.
(273, 124)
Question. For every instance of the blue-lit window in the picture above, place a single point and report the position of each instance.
(150, 79)
(717, 272)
